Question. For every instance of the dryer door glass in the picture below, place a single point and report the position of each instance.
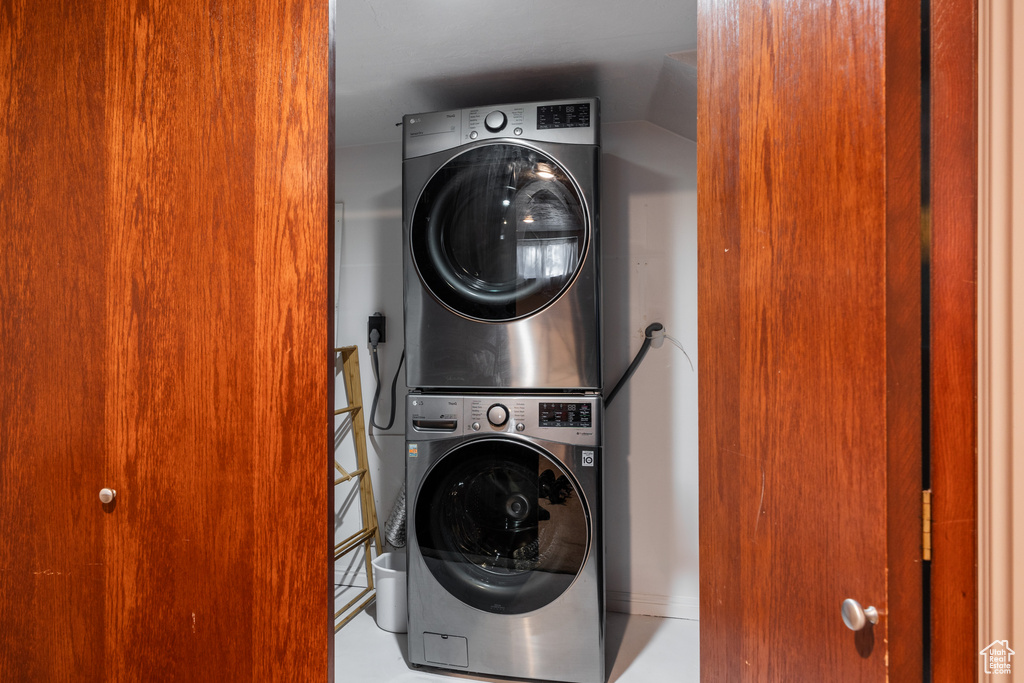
(501, 526)
(499, 232)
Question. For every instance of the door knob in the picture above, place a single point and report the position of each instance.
(856, 617)
(107, 495)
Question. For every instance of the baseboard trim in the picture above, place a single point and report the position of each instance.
(672, 607)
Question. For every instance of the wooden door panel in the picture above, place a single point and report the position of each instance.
(171, 340)
(219, 247)
(180, 326)
(903, 370)
(293, 312)
(954, 343)
(809, 328)
(51, 341)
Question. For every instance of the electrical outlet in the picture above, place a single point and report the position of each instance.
(377, 322)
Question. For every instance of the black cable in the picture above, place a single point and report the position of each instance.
(376, 393)
(651, 329)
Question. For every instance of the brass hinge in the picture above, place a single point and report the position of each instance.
(926, 525)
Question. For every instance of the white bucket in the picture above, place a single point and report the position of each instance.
(389, 572)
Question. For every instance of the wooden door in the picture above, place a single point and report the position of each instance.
(52, 309)
(165, 191)
(953, 425)
(809, 295)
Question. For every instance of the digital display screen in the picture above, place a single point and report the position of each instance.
(566, 415)
(563, 116)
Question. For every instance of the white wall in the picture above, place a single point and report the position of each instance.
(649, 242)
(368, 275)
(649, 229)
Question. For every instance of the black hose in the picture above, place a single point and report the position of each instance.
(376, 393)
(651, 329)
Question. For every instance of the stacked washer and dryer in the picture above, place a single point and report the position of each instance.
(504, 419)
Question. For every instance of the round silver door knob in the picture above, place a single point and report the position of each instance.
(107, 495)
(856, 617)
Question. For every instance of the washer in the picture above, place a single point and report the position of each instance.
(506, 569)
(502, 287)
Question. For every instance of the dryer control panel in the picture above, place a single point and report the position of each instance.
(573, 121)
(570, 419)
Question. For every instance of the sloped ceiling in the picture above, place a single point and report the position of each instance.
(398, 57)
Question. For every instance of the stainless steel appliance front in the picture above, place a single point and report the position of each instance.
(505, 536)
(501, 262)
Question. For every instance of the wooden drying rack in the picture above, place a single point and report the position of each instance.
(369, 536)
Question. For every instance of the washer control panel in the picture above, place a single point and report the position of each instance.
(568, 418)
(498, 414)
(566, 414)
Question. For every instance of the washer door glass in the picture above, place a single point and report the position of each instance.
(501, 526)
(499, 232)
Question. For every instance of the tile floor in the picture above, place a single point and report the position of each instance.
(637, 649)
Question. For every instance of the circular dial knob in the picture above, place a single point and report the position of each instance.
(497, 415)
(495, 121)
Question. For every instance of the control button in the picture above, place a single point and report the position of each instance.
(476, 426)
(518, 131)
(495, 121)
(497, 415)
(520, 426)
(474, 135)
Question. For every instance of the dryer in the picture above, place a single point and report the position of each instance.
(506, 568)
(501, 263)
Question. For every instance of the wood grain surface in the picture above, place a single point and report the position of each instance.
(905, 627)
(52, 346)
(954, 347)
(807, 285)
(293, 349)
(165, 333)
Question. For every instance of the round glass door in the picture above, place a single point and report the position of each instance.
(499, 232)
(501, 526)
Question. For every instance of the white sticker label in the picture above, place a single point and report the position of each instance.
(588, 458)
(413, 450)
